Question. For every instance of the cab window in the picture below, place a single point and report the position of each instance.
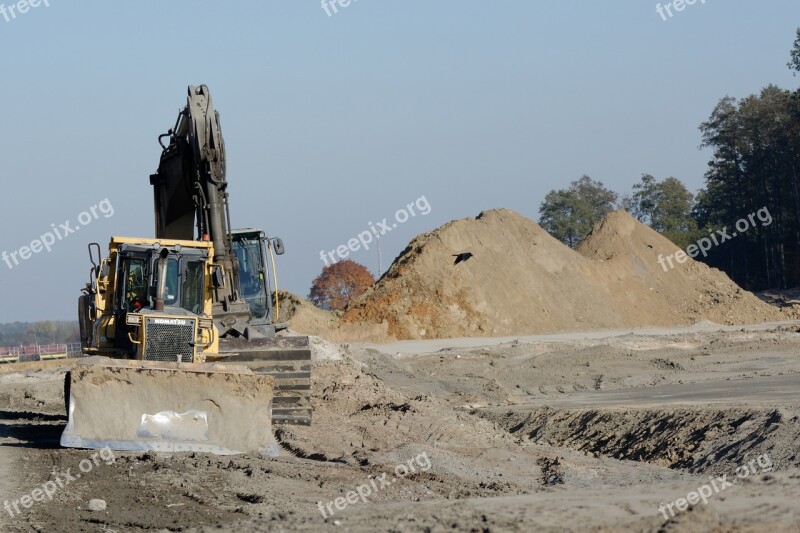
(193, 286)
(135, 279)
(172, 282)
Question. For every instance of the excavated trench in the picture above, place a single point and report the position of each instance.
(696, 440)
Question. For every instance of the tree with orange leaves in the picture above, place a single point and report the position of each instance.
(339, 284)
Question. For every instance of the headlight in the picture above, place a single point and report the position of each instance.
(132, 319)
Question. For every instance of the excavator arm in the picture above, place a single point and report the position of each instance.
(191, 202)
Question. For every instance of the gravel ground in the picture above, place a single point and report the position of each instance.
(572, 432)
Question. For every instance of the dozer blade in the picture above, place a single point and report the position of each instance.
(288, 361)
(168, 407)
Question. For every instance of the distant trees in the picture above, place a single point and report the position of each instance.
(666, 206)
(569, 214)
(754, 168)
(794, 61)
(339, 284)
(47, 332)
(755, 164)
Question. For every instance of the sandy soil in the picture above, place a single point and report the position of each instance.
(582, 431)
(522, 280)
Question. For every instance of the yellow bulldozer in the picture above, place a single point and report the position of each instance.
(184, 346)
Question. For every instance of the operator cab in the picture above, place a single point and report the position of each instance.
(251, 248)
(137, 278)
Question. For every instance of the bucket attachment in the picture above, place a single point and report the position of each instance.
(168, 407)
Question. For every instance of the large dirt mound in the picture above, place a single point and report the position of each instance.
(522, 280)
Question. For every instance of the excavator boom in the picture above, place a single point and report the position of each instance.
(191, 200)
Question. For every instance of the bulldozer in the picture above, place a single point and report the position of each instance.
(183, 343)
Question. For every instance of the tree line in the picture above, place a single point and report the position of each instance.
(46, 332)
(754, 168)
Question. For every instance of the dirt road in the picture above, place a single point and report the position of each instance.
(584, 431)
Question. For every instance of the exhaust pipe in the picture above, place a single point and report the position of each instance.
(161, 291)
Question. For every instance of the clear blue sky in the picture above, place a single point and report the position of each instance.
(334, 122)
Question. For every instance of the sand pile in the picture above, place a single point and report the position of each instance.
(304, 318)
(629, 253)
(522, 280)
